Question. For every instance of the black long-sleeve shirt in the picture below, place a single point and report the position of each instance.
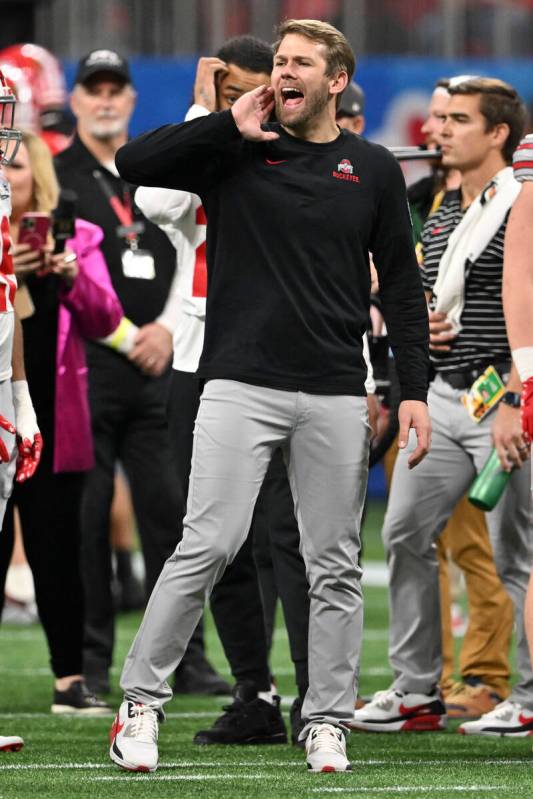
(290, 226)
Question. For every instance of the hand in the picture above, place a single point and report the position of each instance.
(440, 331)
(205, 89)
(26, 261)
(526, 410)
(5, 425)
(29, 455)
(152, 349)
(65, 265)
(251, 110)
(508, 439)
(413, 413)
(373, 414)
(30, 442)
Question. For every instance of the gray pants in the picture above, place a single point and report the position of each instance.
(420, 503)
(325, 442)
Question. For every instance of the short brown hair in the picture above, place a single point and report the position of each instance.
(499, 103)
(339, 54)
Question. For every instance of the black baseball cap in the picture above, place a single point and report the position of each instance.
(107, 61)
(352, 101)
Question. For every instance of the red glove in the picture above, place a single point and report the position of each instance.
(5, 425)
(30, 442)
(526, 410)
(29, 455)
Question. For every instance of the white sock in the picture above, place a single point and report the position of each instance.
(266, 696)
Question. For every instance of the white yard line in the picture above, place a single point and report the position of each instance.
(70, 766)
(413, 789)
(66, 717)
(44, 671)
(177, 777)
(182, 765)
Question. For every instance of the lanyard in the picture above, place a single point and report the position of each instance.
(123, 211)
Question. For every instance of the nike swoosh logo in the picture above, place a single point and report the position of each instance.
(115, 729)
(274, 163)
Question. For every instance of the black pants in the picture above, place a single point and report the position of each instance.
(49, 508)
(129, 424)
(236, 600)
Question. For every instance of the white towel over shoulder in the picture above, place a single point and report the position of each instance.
(469, 239)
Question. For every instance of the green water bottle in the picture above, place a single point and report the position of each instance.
(489, 485)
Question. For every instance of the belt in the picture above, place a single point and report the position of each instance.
(464, 380)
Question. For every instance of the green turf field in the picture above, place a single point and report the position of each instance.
(68, 757)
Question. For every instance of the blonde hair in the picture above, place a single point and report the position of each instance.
(45, 192)
(339, 55)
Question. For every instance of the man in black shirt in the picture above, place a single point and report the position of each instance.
(294, 209)
(128, 388)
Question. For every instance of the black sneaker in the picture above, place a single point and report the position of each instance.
(200, 678)
(297, 725)
(247, 721)
(79, 701)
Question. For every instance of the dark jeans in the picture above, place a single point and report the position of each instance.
(49, 508)
(129, 424)
(236, 600)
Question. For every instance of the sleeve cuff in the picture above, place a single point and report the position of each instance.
(414, 395)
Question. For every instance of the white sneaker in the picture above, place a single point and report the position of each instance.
(396, 711)
(133, 737)
(10, 743)
(508, 718)
(326, 749)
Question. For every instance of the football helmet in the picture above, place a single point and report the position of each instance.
(10, 138)
(42, 72)
(37, 79)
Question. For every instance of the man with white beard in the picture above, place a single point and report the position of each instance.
(129, 372)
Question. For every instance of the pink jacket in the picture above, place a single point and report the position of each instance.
(90, 309)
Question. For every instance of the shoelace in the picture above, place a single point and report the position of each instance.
(144, 725)
(502, 710)
(463, 688)
(230, 711)
(383, 698)
(326, 738)
(91, 698)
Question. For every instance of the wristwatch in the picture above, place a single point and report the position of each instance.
(511, 398)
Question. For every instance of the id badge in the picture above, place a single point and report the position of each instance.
(483, 394)
(138, 264)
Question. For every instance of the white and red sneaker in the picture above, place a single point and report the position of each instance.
(10, 743)
(510, 719)
(133, 737)
(325, 746)
(396, 711)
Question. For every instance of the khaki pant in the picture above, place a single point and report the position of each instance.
(485, 648)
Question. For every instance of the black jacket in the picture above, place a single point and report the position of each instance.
(142, 300)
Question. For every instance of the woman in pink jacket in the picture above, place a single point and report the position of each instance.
(62, 300)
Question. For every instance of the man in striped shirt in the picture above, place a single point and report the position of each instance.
(463, 262)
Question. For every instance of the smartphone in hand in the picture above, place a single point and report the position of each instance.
(33, 230)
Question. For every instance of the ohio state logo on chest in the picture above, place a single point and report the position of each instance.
(344, 171)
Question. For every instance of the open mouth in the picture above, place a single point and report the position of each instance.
(291, 98)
